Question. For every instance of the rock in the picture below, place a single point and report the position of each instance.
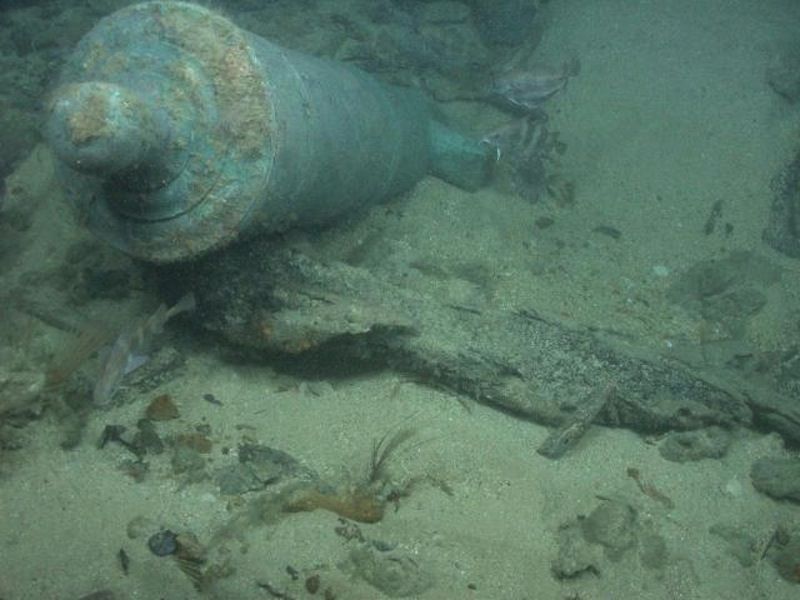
(163, 543)
(613, 526)
(146, 440)
(777, 477)
(271, 464)
(162, 408)
(237, 479)
(258, 467)
(390, 571)
(687, 446)
(587, 544)
(576, 556)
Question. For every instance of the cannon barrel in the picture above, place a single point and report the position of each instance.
(178, 132)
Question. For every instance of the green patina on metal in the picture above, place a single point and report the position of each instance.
(179, 132)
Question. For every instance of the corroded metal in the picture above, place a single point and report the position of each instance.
(179, 132)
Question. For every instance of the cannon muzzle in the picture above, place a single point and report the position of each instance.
(179, 132)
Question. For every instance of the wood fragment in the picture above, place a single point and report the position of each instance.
(565, 437)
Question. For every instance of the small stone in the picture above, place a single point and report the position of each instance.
(162, 408)
(146, 439)
(195, 441)
(394, 573)
(163, 543)
(270, 464)
(688, 446)
(237, 479)
(312, 584)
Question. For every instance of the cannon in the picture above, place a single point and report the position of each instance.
(178, 132)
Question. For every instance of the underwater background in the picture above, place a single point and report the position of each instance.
(578, 381)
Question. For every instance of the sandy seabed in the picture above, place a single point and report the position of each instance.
(670, 114)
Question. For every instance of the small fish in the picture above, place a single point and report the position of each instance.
(127, 353)
(526, 90)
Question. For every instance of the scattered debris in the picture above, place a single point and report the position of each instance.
(162, 408)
